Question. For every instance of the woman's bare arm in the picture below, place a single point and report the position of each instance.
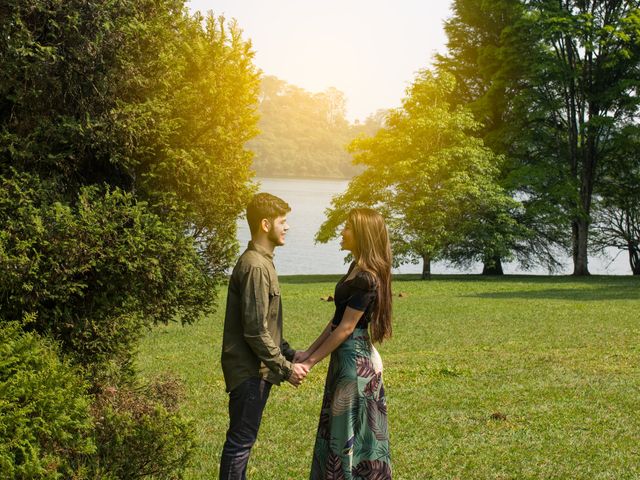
(334, 338)
(303, 355)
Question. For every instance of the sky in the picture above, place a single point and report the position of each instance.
(368, 49)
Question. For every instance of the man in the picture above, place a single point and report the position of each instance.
(254, 354)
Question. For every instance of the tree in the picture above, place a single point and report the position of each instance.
(617, 205)
(479, 36)
(123, 170)
(137, 97)
(431, 179)
(582, 91)
(485, 45)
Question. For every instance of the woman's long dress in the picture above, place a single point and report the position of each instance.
(352, 442)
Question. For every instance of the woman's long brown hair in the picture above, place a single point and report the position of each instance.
(373, 255)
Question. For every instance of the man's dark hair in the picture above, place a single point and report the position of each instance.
(265, 205)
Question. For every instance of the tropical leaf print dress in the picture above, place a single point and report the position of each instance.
(352, 442)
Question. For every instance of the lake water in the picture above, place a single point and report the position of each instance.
(309, 198)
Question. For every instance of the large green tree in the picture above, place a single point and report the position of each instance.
(137, 96)
(553, 82)
(582, 92)
(431, 178)
(123, 169)
(485, 42)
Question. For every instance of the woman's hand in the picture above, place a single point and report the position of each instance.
(300, 356)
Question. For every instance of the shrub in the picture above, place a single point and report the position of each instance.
(95, 272)
(140, 433)
(137, 94)
(44, 409)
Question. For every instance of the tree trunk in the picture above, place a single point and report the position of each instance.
(587, 179)
(492, 266)
(426, 267)
(582, 152)
(580, 258)
(634, 259)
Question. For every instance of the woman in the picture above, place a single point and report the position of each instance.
(352, 440)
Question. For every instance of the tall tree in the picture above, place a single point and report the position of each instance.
(138, 110)
(583, 91)
(485, 42)
(432, 179)
(134, 95)
(122, 172)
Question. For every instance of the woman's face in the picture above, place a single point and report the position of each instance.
(348, 238)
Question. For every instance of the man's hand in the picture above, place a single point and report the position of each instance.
(300, 356)
(298, 372)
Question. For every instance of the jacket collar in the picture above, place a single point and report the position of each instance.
(260, 249)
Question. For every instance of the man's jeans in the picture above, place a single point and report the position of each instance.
(246, 403)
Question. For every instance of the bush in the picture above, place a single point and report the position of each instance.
(96, 272)
(136, 94)
(122, 173)
(140, 433)
(44, 409)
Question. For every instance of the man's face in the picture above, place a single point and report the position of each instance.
(278, 231)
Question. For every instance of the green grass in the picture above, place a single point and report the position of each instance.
(519, 377)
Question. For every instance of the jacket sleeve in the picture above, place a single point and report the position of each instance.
(254, 315)
(286, 350)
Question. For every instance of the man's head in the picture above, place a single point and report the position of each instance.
(266, 215)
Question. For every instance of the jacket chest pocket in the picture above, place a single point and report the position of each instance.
(274, 300)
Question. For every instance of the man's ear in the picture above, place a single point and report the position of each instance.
(265, 225)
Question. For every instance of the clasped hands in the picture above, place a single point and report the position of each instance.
(300, 368)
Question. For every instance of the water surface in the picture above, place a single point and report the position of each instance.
(309, 198)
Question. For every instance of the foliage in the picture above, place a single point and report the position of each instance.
(201, 158)
(433, 181)
(139, 432)
(304, 134)
(617, 205)
(480, 36)
(554, 83)
(138, 95)
(581, 92)
(44, 409)
(152, 106)
(123, 170)
(485, 45)
(95, 273)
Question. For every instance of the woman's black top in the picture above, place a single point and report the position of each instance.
(359, 293)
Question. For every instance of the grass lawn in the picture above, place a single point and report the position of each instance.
(520, 377)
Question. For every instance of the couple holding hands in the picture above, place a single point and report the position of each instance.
(352, 441)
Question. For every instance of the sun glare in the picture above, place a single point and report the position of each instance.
(369, 50)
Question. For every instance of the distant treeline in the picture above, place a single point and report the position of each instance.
(305, 134)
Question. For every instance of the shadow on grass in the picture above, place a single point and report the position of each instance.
(403, 277)
(613, 292)
(478, 278)
(304, 279)
(602, 281)
(625, 280)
